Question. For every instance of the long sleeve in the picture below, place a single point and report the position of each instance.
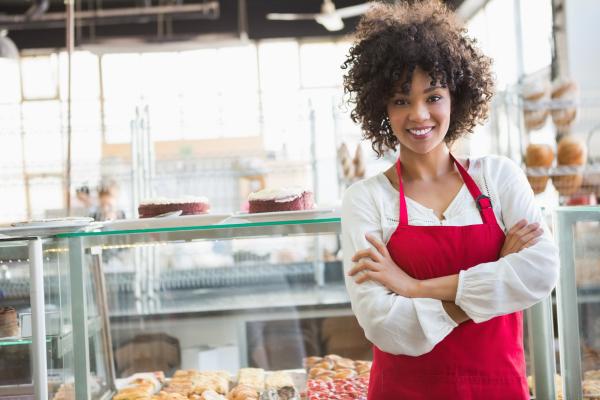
(519, 280)
(395, 324)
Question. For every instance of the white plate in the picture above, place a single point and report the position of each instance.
(164, 222)
(46, 227)
(316, 213)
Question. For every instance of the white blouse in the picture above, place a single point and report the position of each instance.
(401, 325)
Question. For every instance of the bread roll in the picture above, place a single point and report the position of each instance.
(310, 362)
(538, 156)
(571, 152)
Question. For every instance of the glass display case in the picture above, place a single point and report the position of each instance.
(577, 230)
(248, 291)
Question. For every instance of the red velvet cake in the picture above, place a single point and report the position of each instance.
(188, 206)
(285, 199)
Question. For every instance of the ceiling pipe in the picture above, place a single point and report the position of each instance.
(38, 8)
(209, 9)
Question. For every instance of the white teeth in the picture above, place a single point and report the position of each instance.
(420, 132)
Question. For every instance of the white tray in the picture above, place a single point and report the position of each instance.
(165, 222)
(282, 216)
(45, 227)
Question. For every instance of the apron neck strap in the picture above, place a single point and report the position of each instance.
(484, 204)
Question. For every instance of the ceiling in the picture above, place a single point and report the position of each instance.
(144, 21)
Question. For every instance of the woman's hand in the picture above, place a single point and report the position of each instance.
(521, 236)
(377, 265)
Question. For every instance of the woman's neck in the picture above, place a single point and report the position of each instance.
(426, 167)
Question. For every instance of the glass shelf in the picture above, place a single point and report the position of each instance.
(63, 342)
(131, 238)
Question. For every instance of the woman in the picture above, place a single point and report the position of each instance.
(441, 300)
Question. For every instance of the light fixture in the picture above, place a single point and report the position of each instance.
(332, 22)
(8, 49)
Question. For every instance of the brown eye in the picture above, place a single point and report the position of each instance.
(400, 102)
(434, 99)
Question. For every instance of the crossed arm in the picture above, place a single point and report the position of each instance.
(376, 264)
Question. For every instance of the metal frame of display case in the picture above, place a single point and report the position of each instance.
(38, 315)
(567, 305)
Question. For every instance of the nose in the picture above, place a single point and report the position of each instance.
(418, 112)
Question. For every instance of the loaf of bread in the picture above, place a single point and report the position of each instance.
(359, 163)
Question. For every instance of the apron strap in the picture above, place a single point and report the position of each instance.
(403, 211)
(484, 204)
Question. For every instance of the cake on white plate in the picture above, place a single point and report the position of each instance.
(281, 199)
(187, 205)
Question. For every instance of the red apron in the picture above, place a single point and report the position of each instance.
(475, 361)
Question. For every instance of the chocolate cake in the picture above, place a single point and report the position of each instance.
(188, 205)
(284, 199)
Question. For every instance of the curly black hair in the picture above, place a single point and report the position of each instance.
(391, 40)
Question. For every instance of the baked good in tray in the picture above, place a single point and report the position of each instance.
(9, 325)
(282, 199)
(539, 156)
(252, 377)
(571, 152)
(333, 366)
(243, 392)
(187, 205)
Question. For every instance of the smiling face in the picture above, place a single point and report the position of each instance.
(420, 118)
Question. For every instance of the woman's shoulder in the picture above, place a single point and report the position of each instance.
(495, 165)
(366, 190)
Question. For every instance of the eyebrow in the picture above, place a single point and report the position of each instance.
(429, 89)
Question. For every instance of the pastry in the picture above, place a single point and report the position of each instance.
(538, 156)
(243, 392)
(309, 362)
(283, 199)
(187, 205)
(278, 379)
(565, 91)
(591, 390)
(252, 377)
(345, 374)
(210, 381)
(169, 396)
(343, 363)
(211, 395)
(571, 152)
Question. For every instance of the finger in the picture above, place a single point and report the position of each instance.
(518, 226)
(510, 236)
(531, 242)
(379, 246)
(363, 278)
(530, 236)
(370, 253)
(362, 266)
(527, 229)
